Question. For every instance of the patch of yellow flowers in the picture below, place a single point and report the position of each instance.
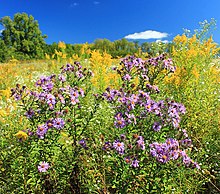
(190, 56)
(101, 65)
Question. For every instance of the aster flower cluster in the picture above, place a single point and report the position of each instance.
(76, 70)
(134, 107)
(18, 92)
(171, 150)
(128, 148)
(57, 123)
(131, 67)
(135, 103)
(49, 104)
(46, 83)
(56, 106)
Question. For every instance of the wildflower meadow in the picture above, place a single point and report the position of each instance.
(93, 123)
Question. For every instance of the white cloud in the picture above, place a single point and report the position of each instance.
(149, 34)
(96, 2)
(163, 41)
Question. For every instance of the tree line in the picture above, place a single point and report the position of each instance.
(22, 39)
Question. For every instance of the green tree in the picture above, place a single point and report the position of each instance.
(22, 33)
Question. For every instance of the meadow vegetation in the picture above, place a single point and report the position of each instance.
(91, 122)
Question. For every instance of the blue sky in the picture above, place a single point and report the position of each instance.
(80, 21)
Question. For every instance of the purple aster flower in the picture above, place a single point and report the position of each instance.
(182, 153)
(140, 143)
(172, 112)
(187, 160)
(74, 100)
(79, 74)
(130, 106)
(143, 94)
(172, 143)
(196, 165)
(82, 142)
(157, 126)
(122, 100)
(119, 146)
(163, 158)
(58, 123)
(30, 113)
(50, 123)
(120, 123)
(127, 159)
(149, 105)
(30, 133)
(17, 97)
(174, 154)
(160, 104)
(130, 118)
(62, 100)
(74, 93)
(167, 64)
(47, 87)
(109, 96)
(186, 142)
(51, 100)
(123, 137)
(107, 146)
(153, 152)
(165, 151)
(149, 86)
(145, 77)
(155, 88)
(81, 92)
(175, 122)
(134, 97)
(62, 78)
(42, 96)
(41, 131)
(185, 133)
(135, 163)
(182, 109)
(39, 82)
(43, 166)
(126, 77)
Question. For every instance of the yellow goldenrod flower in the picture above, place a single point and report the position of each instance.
(21, 135)
(62, 45)
(47, 56)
